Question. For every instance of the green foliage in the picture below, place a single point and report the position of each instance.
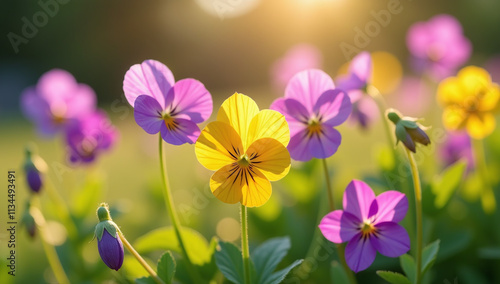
(408, 264)
(86, 199)
(230, 262)
(166, 267)
(444, 185)
(338, 274)
(393, 277)
(429, 255)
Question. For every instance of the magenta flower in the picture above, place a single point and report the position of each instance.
(56, 100)
(364, 109)
(313, 107)
(165, 106)
(369, 224)
(90, 136)
(456, 147)
(438, 46)
(298, 58)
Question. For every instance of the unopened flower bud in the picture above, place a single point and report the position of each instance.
(109, 243)
(28, 221)
(408, 131)
(34, 167)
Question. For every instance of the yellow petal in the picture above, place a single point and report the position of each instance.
(490, 99)
(480, 125)
(472, 79)
(218, 145)
(238, 111)
(271, 124)
(232, 184)
(454, 118)
(270, 157)
(449, 92)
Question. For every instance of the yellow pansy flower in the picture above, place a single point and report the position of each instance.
(469, 102)
(247, 149)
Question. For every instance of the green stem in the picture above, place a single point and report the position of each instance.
(137, 256)
(50, 251)
(418, 209)
(382, 107)
(487, 197)
(340, 248)
(245, 253)
(173, 217)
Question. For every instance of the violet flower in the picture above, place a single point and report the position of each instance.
(313, 107)
(56, 100)
(457, 146)
(165, 106)
(438, 46)
(90, 136)
(111, 250)
(355, 83)
(298, 58)
(369, 224)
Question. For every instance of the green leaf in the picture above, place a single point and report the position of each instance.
(400, 132)
(408, 265)
(165, 239)
(278, 276)
(338, 274)
(209, 269)
(445, 184)
(230, 262)
(393, 277)
(145, 280)
(429, 255)
(408, 123)
(267, 256)
(166, 267)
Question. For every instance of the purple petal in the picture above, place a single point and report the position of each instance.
(150, 78)
(359, 253)
(358, 197)
(186, 131)
(82, 102)
(334, 107)
(190, 98)
(56, 84)
(392, 240)
(307, 86)
(324, 145)
(350, 82)
(361, 66)
(339, 226)
(418, 39)
(33, 106)
(444, 27)
(111, 250)
(390, 206)
(34, 178)
(295, 113)
(299, 146)
(148, 114)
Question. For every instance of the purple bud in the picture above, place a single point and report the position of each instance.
(34, 179)
(111, 250)
(418, 135)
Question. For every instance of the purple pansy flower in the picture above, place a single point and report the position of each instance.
(313, 107)
(438, 46)
(56, 100)
(456, 147)
(111, 250)
(165, 106)
(364, 109)
(369, 224)
(298, 58)
(89, 136)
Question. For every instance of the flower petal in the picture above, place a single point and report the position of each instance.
(150, 78)
(238, 111)
(295, 119)
(148, 114)
(270, 157)
(83, 101)
(490, 99)
(361, 65)
(449, 92)
(392, 240)
(358, 197)
(189, 97)
(269, 124)
(334, 107)
(299, 146)
(326, 143)
(389, 206)
(257, 189)
(349, 82)
(307, 86)
(472, 79)
(339, 226)
(218, 145)
(359, 253)
(56, 84)
(185, 131)
(454, 117)
(480, 125)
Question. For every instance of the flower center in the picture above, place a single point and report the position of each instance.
(244, 161)
(367, 229)
(314, 127)
(170, 122)
(58, 112)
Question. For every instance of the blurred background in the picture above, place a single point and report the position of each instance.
(230, 46)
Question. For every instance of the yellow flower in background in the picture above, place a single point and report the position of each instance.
(247, 149)
(470, 101)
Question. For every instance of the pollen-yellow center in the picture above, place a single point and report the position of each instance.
(367, 229)
(170, 122)
(244, 160)
(314, 127)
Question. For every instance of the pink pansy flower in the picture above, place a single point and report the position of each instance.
(165, 106)
(369, 224)
(56, 101)
(313, 107)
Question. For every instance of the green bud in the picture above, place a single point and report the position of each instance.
(408, 131)
(103, 212)
(105, 222)
(394, 117)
